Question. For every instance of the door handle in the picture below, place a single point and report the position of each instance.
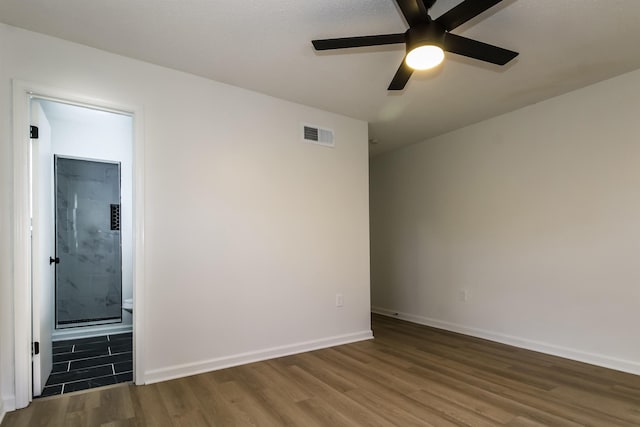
(55, 260)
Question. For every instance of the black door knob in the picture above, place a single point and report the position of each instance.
(55, 260)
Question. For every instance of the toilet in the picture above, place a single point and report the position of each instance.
(127, 305)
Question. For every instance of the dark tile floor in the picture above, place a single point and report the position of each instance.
(90, 362)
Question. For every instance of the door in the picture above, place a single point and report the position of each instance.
(42, 234)
(88, 242)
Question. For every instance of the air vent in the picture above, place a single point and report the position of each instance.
(318, 135)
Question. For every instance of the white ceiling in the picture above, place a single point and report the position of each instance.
(265, 46)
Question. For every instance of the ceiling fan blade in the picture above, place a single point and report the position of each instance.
(413, 11)
(346, 42)
(402, 77)
(463, 12)
(477, 50)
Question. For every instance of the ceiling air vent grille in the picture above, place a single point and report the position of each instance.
(317, 135)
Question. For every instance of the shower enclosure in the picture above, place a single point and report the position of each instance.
(88, 242)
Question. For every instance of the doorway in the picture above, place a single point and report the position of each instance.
(82, 246)
(23, 314)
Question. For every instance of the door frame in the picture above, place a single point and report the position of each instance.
(21, 240)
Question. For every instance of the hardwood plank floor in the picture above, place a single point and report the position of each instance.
(410, 375)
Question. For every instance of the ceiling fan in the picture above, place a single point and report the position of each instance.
(427, 39)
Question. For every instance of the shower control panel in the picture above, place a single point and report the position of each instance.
(115, 217)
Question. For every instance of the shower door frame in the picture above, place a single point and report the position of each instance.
(109, 321)
(23, 92)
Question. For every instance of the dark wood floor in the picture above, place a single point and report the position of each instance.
(410, 375)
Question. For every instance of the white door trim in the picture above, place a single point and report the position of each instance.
(22, 91)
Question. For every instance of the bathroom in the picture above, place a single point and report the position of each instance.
(82, 286)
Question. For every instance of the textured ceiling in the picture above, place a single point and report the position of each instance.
(265, 46)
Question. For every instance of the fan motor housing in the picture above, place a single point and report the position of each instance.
(429, 33)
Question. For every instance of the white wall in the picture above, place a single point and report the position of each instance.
(249, 233)
(93, 134)
(7, 396)
(2, 409)
(535, 213)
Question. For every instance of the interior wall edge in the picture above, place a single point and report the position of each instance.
(520, 342)
(185, 370)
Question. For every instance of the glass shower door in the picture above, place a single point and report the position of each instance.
(88, 242)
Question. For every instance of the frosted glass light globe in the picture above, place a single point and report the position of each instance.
(425, 57)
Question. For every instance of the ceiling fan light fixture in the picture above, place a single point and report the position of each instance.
(426, 39)
(425, 57)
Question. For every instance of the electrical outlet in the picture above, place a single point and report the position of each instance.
(464, 295)
(339, 300)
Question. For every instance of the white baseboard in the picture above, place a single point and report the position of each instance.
(90, 331)
(7, 405)
(552, 349)
(189, 369)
